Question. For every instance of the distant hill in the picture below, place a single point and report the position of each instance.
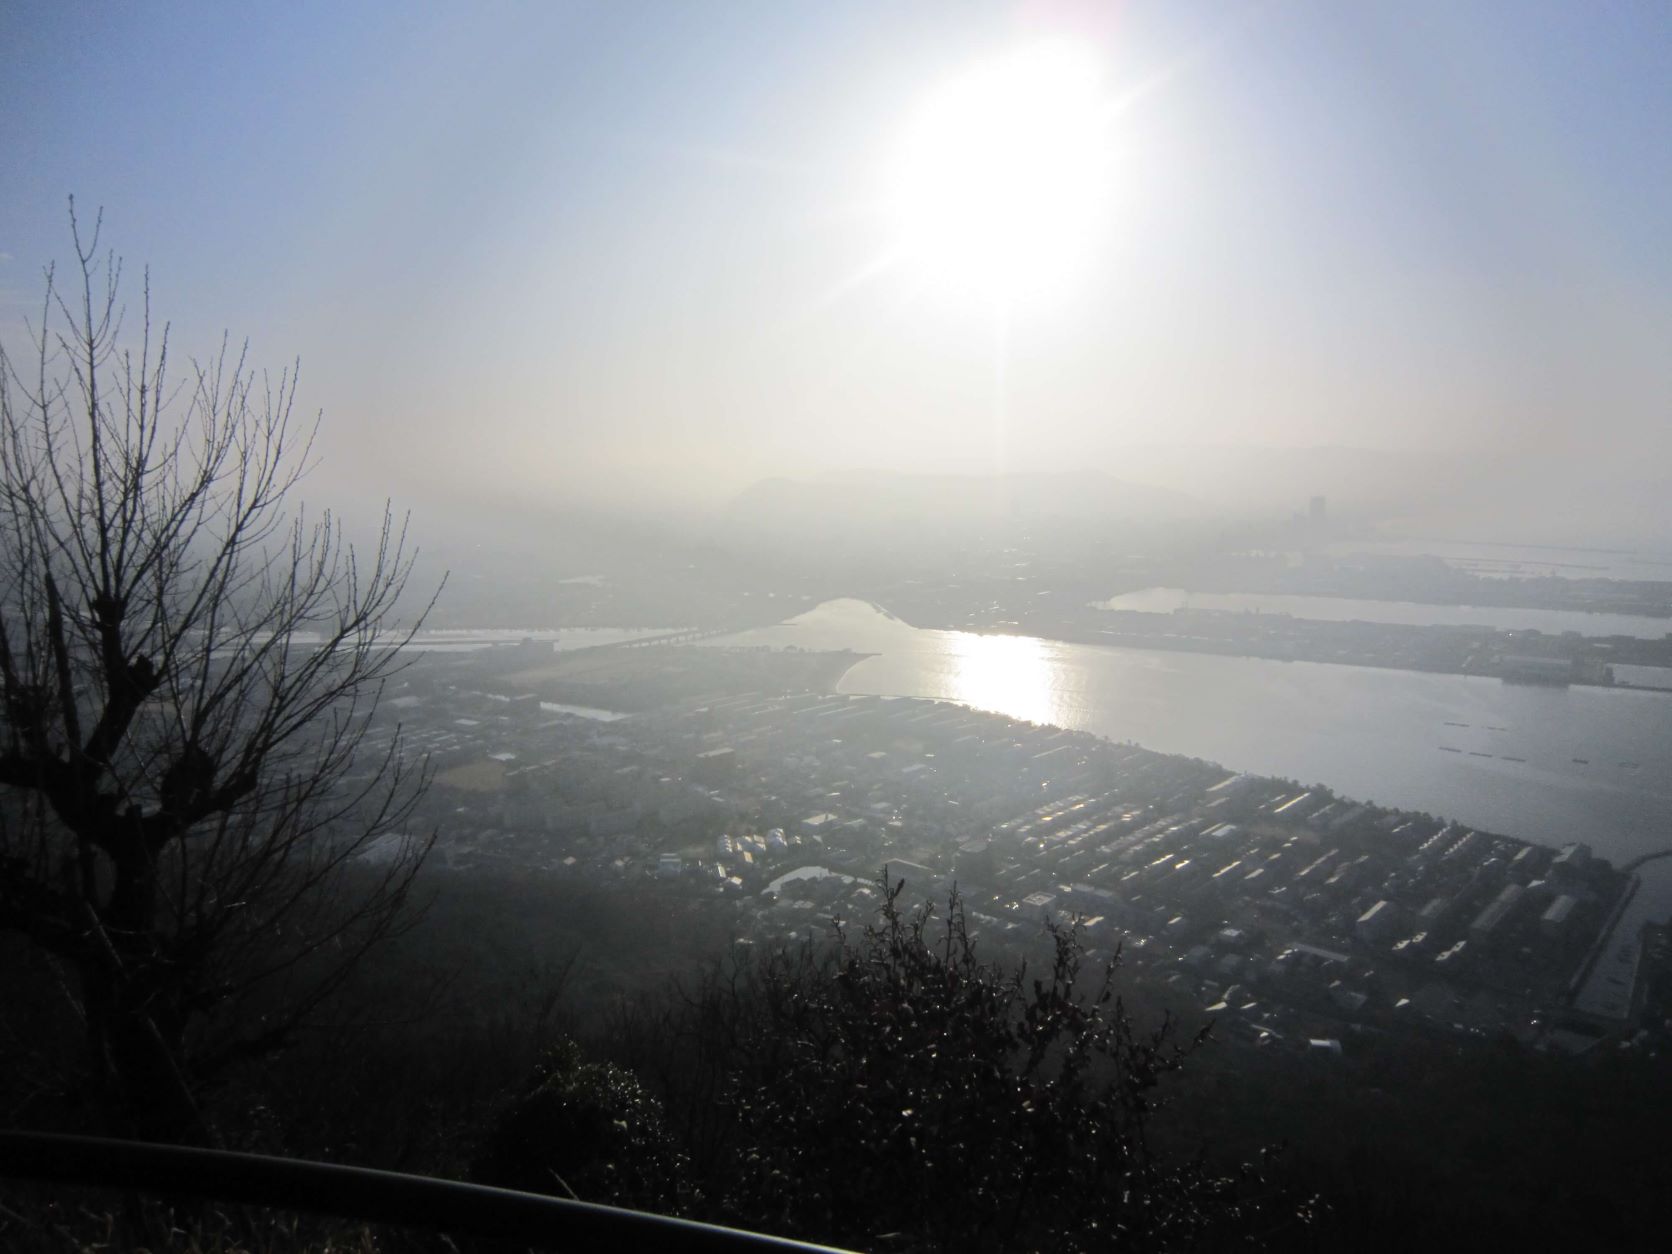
(1255, 480)
(880, 501)
(1502, 495)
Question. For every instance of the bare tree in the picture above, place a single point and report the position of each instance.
(198, 821)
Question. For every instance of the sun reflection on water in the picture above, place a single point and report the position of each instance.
(1013, 675)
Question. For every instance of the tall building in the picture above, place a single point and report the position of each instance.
(1317, 514)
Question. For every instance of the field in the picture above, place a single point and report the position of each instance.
(484, 776)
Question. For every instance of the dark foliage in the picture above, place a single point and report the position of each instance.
(906, 1094)
(893, 1091)
(586, 1130)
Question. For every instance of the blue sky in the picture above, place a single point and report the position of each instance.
(610, 249)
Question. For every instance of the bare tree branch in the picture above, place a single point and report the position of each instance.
(189, 667)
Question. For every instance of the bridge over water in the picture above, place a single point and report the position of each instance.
(689, 635)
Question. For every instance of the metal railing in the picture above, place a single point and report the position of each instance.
(365, 1194)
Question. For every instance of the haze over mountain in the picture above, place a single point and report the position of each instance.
(1501, 495)
(884, 499)
(567, 255)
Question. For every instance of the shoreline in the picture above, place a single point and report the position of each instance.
(1106, 638)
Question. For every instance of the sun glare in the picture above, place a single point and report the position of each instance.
(999, 184)
(1012, 675)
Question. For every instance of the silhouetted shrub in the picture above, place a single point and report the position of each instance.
(586, 1130)
(897, 1092)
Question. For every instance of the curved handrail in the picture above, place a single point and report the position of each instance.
(369, 1195)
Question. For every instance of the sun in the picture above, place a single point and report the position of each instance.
(999, 186)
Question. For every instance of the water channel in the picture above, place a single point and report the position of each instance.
(1547, 764)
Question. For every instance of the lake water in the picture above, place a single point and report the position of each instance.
(1346, 609)
(1541, 763)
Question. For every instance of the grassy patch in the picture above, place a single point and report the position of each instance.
(483, 776)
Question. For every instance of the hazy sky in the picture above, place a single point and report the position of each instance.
(563, 251)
